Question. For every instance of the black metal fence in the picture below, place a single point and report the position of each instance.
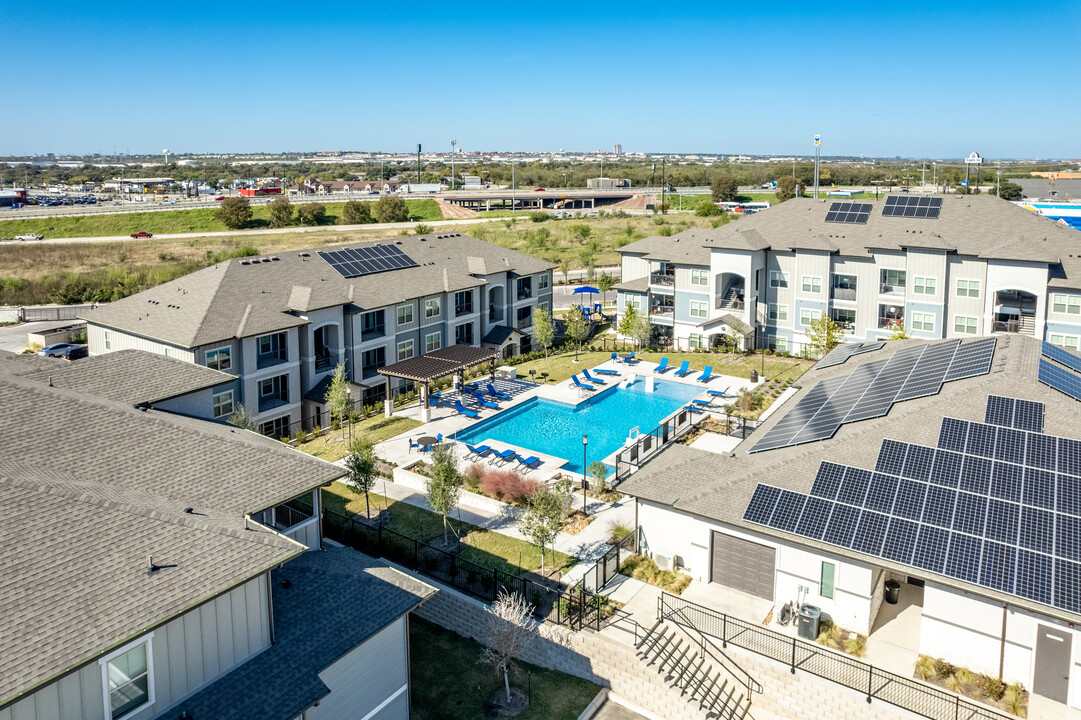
(607, 567)
(907, 693)
(646, 446)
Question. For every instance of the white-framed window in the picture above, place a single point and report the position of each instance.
(405, 314)
(696, 341)
(1070, 342)
(812, 284)
(968, 288)
(542, 281)
(924, 285)
(1069, 304)
(632, 301)
(127, 678)
(168, 352)
(778, 279)
(405, 350)
(778, 312)
(698, 309)
(543, 306)
(827, 579)
(779, 343)
(219, 358)
(108, 341)
(808, 316)
(700, 277)
(923, 321)
(432, 342)
(223, 404)
(431, 307)
(965, 324)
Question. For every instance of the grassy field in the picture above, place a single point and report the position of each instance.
(332, 446)
(483, 547)
(451, 682)
(173, 221)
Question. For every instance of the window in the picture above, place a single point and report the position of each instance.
(431, 308)
(968, 288)
(405, 350)
(778, 344)
(372, 360)
(825, 586)
(277, 387)
(271, 350)
(698, 309)
(108, 341)
(923, 321)
(128, 678)
(405, 314)
(372, 325)
(544, 306)
(778, 312)
(168, 352)
(219, 359)
(892, 281)
(812, 284)
(633, 301)
(808, 316)
(463, 302)
(699, 277)
(223, 404)
(525, 288)
(924, 286)
(276, 428)
(778, 279)
(542, 282)
(524, 316)
(844, 317)
(463, 334)
(964, 324)
(432, 342)
(1070, 342)
(1070, 304)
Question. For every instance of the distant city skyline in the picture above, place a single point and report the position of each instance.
(918, 80)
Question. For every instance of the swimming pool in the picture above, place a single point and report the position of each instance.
(556, 428)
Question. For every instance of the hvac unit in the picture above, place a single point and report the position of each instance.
(664, 562)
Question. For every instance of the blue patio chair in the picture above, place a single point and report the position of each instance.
(605, 371)
(477, 452)
(413, 445)
(632, 359)
(484, 403)
(461, 410)
(528, 463)
(581, 384)
(434, 398)
(502, 457)
(438, 438)
(706, 375)
(684, 369)
(615, 358)
(719, 393)
(496, 394)
(663, 367)
(585, 373)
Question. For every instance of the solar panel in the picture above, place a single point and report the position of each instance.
(1006, 480)
(760, 509)
(953, 434)
(1069, 456)
(928, 372)
(1068, 537)
(880, 493)
(1060, 379)
(999, 411)
(854, 486)
(1037, 529)
(963, 557)
(975, 475)
(909, 500)
(1003, 519)
(911, 206)
(812, 522)
(1028, 415)
(1068, 494)
(918, 463)
(970, 513)
(900, 541)
(1039, 488)
(842, 352)
(870, 533)
(849, 212)
(828, 480)
(788, 511)
(841, 527)
(1033, 579)
(1011, 445)
(1061, 356)
(930, 549)
(938, 506)
(971, 359)
(945, 468)
(832, 413)
(1067, 593)
(361, 261)
(782, 433)
(880, 396)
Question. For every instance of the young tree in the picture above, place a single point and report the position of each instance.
(234, 213)
(444, 487)
(544, 331)
(565, 268)
(337, 397)
(543, 517)
(361, 466)
(598, 474)
(241, 418)
(510, 630)
(356, 212)
(707, 209)
(389, 209)
(281, 212)
(605, 282)
(422, 229)
(825, 335)
(632, 324)
(724, 188)
(312, 213)
(786, 188)
(1008, 191)
(577, 329)
(898, 331)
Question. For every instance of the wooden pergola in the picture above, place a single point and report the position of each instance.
(423, 369)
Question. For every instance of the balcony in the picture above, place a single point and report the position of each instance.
(1018, 325)
(524, 322)
(373, 333)
(890, 323)
(495, 315)
(460, 310)
(270, 359)
(839, 293)
(370, 371)
(662, 279)
(322, 362)
(269, 402)
(889, 289)
(525, 293)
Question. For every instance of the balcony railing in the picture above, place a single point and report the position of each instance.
(890, 289)
(731, 303)
(839, 293)
(270, 359)
(322, 362)
(524, 322)
(1015, 326)
(664, 279)
(460, 310)
(667, 310)
(887, 323)
(370, 371)
(495, 314)
(269, 402)
(525, 293)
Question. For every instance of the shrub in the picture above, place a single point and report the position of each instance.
(617, 530)
(302, 436)
(665, 231)
(473, 475)
(926, 668)
(856, 646)
(311, 213)
(508, 486)
(539, 217)
(422, 229)
(992, 687)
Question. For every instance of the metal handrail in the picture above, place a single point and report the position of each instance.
(752, 685)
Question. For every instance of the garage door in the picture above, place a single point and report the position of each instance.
(742, 565)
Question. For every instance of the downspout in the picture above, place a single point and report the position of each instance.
(1002, 647)
(270, 607)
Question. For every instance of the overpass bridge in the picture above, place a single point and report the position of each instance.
(545, 199)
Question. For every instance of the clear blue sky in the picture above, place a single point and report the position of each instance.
(919, 79)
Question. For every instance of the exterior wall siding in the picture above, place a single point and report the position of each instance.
(121, 340)
(355, 691)
(198, 404)
(633, 267)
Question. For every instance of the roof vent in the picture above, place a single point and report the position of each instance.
(275, 259)
(245, 262)
(189, 511)
(303, 255)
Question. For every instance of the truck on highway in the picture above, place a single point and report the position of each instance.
(29, 236)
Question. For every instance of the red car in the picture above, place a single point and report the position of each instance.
(539, 190)
(141, 234)
(220, 197)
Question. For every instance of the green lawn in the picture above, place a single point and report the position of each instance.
(483, 547)
(174, 221)
(450, 682)
(332, 446)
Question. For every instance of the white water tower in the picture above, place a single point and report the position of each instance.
(166, 151)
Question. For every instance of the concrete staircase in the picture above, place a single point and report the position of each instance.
(695, 671)
(1027, 325)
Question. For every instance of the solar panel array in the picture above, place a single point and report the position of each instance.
(1059, 355)
(911, 206)
(357, 262)
(849, 212)
(872, 389)
(1014, 413)
(995, 505)
(842, 352)
(1057, 377)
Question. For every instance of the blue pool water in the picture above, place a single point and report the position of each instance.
(556, 428)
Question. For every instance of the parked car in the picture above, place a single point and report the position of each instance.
(57, 349)
(220, 197)
(141, 234)
(29, 236)
(76, 352)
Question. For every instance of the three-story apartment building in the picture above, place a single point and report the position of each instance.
(971, 266)
(282, 323)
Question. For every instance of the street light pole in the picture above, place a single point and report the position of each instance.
(452, 176)
(585, 474)
(349, 417)
(513, 200)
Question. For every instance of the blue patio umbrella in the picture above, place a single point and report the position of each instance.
(586, 289)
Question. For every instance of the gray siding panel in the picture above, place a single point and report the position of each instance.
(355, 692)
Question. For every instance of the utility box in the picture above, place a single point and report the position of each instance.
(810, 617)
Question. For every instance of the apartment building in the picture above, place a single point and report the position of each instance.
(941, 267)
(281, 323)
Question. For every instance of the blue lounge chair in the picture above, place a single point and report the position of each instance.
(706, 375)
(529, 463)
(703, 403)
(585, 372)
(694, 408)
(719, 393)
(483, 402)
(581, 384)
(684, 369)
(496, 394)
(501, 457)
(464, 411)
(438, 438)
(663, 367)
(605, 371)
(477, 452)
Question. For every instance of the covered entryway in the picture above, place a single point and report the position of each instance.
(1015, 312)
(743, 565)
(1052, 677)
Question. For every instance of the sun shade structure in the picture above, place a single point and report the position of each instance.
(452, 360)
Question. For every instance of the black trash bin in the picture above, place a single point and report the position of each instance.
(810, 617)
(893, 590)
